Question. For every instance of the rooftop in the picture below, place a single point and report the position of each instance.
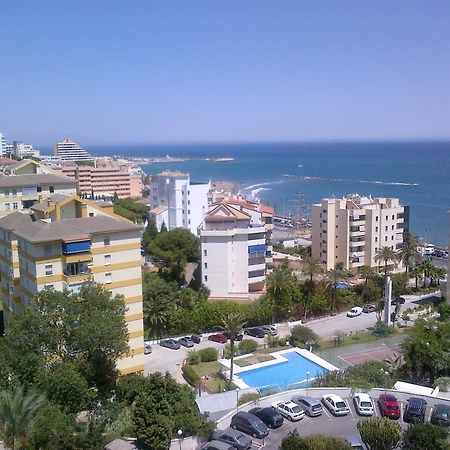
(34, 180)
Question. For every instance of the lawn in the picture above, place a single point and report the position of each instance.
(255, 359)
(210, 372)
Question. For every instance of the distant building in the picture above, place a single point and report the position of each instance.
(2, 145)
(105, 178)
(351, 230)
(236, 248)
(68, 150)
(177, 202)
(22, 150)
(64, 241)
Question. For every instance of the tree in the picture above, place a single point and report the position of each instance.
(380, 433)
(302, 336)
(173, 249)
(150, 233)
(386, 255)
(409, 253)
(425, 436)
(335, 276)
(293, 441)
(233, 324)
(367, 273)
(18, 410)
(311, 268)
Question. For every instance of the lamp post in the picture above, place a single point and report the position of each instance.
(180, 436)
(237, 399)
(307, 381)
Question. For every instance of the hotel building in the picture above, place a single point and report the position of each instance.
(236, 249)
(177, 202)
(351, 230)
(63, 242)
(68, 150)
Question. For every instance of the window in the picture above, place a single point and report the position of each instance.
(108, 278)
(47, 250)
(189, 202)
(387, 217)
(392, 226)
(106, 241)
(336, 246)
(7, 206)
(392, 238)
(376, 229)
(205, 265)
(376, 239)
(14, 192)
(91, 214)
(393, 216)
(189, 211)
(52, 189)
(48, 286)
(376, 218)
(48, 269)
(15, 205)
(206, 277)
(385, 238)
(386, 228)
(39, 189)
(205, 252)
(6, 192)
(107, 260)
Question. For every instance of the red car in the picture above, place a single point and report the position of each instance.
(389, 406)
(220, 338)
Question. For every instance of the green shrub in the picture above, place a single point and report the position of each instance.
(381, 329)
(275, 341)
(443, 383)
(190, 375)
(227, 350)
(208, 354)
(246, 398)
(303, 336)
(247, 346)
(193, 357)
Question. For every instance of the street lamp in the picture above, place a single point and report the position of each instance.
(307, 381)
(237, 399)
(180, 436)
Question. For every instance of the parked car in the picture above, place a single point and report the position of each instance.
(220, 338)
(289, 410)
(310, 405)
(415, 410)
(217, 445)
(363, 404)
(238, 337)
(147, 347)
(216, 329)
(250, 424)
(388, 405)
(355, 442)
(170, 343)
(354, 312)
(269, 329)
(234, 438)
(398, 301)
(441, 415)
(269, 416)
(186, 341)
(369, 308)
(255, 332)
(196, 339)
(335, 405)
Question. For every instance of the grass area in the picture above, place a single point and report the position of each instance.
(213, 381)
(272, 349)
(348, 340)
(244, 362)
(255, 359)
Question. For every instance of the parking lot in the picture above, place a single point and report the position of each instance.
(328, 424)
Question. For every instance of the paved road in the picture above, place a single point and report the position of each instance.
(439, 262)
(327, 423)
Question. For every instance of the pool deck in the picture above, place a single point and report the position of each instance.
(278, 358)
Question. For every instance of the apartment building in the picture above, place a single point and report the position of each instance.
(106, 178)
(22, 150)
(236, 248)
(352, 229)
(68, 150)
(2, 145)
(178, 202)
(63, 242)
(19, 192)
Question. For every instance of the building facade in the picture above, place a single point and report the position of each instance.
(236, 248)
(351, 230)
(22, 150)
(68, 150)
(177, 202)
(2, 145)
(64, 242)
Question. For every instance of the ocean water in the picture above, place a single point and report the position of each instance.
(285, 175)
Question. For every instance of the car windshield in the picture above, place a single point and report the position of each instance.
(341, 404)
(239, 437)
(296, 409)
(393, 407)
(316, 407)
(366, 404)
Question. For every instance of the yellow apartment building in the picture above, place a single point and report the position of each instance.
(64, 241)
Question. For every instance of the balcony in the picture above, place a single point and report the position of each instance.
(70, 248)
(76, 269)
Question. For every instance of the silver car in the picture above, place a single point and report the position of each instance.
(269, 329)
(310, 405)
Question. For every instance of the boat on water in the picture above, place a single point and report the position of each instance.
(223, 159)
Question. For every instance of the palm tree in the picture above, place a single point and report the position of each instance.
(233, 322)
(280, 288)
(386, 254)
(366, 272)
(18, 410)
(311, 267)
(335, 276)
(426, 268)
(157, 313)
(409, 251)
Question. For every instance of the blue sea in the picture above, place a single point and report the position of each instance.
(283, 175)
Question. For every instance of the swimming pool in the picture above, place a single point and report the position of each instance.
(291, 368)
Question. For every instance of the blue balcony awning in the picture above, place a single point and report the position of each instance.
(69, 248)
(257, 248)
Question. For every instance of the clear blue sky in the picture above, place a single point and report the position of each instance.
(147, 71)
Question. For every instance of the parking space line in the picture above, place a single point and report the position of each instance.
(324, 409)
(401, 411)
(350, 409)
(374, 406)
(429, 415)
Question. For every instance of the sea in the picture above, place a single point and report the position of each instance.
(293, 176)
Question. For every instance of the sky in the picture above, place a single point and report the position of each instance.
(148, 71)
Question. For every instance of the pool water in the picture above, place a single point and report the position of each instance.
(284, 373)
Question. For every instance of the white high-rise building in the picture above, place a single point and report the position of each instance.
(22, 150)
(177, 202)
(236, 248)
(68, 150)
(351, 230)
(2, 145)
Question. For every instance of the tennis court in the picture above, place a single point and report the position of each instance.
(374, 354)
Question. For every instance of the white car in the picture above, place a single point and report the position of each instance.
(363, 404)
(289, 410)
(354, 312)
(147, 347)
(335, 404)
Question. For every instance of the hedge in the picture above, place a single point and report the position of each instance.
(247, 346)
(208, 354)
(190, 375)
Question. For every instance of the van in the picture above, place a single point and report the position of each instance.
(250, 424)
(415, 410)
